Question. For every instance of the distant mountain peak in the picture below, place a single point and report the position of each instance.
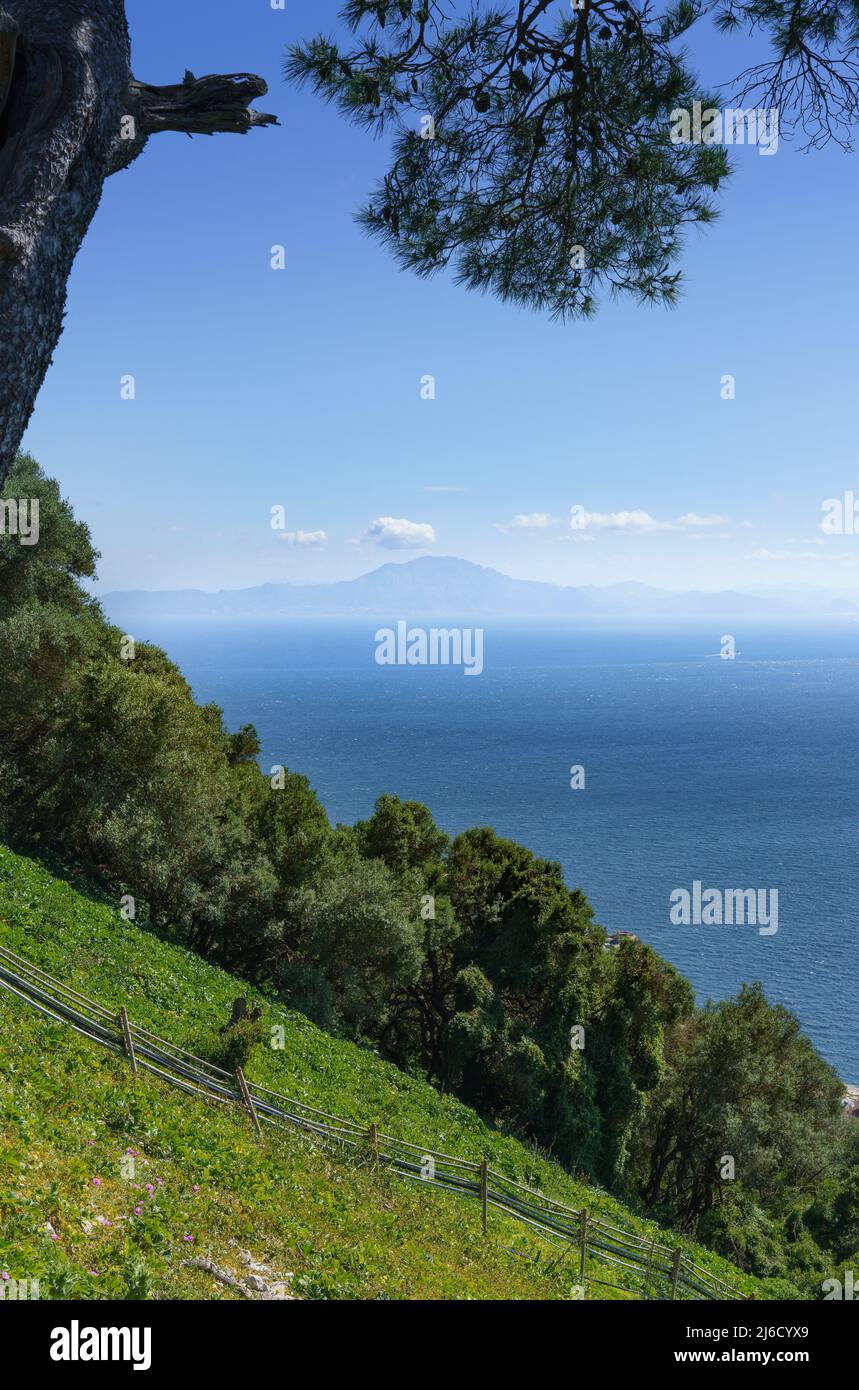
(448, 587)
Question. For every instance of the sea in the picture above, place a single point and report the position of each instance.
(733, 773)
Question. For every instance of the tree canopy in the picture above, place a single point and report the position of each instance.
(532, 143)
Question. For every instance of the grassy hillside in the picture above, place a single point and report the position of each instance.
(203, 1185)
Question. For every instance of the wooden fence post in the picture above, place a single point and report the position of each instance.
(127, 1038)
(675, 1270)
(484, 1192)
(648, 1273)
(583, 1232)
(373, 1136)
(248, 1099)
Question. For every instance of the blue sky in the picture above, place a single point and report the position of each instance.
(301, 388)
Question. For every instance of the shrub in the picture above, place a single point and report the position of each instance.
(233, 1048)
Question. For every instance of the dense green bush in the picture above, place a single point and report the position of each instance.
(233, 1047)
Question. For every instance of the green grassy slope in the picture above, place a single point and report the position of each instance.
(73, 1216)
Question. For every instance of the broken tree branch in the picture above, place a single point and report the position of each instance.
(201, 105)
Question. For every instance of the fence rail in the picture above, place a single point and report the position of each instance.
(664, 1272)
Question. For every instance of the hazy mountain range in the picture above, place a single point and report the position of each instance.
(444, 587)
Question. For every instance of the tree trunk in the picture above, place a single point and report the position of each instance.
(71, 113)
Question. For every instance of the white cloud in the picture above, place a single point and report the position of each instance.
(527, 521)
(303, 538)
(396, 533)
(638, 522)
(635, 521)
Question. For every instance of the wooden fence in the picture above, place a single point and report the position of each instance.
(661, 1272)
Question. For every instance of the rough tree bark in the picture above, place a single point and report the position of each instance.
(71, 114)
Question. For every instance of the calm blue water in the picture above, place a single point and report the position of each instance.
(741, 774)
